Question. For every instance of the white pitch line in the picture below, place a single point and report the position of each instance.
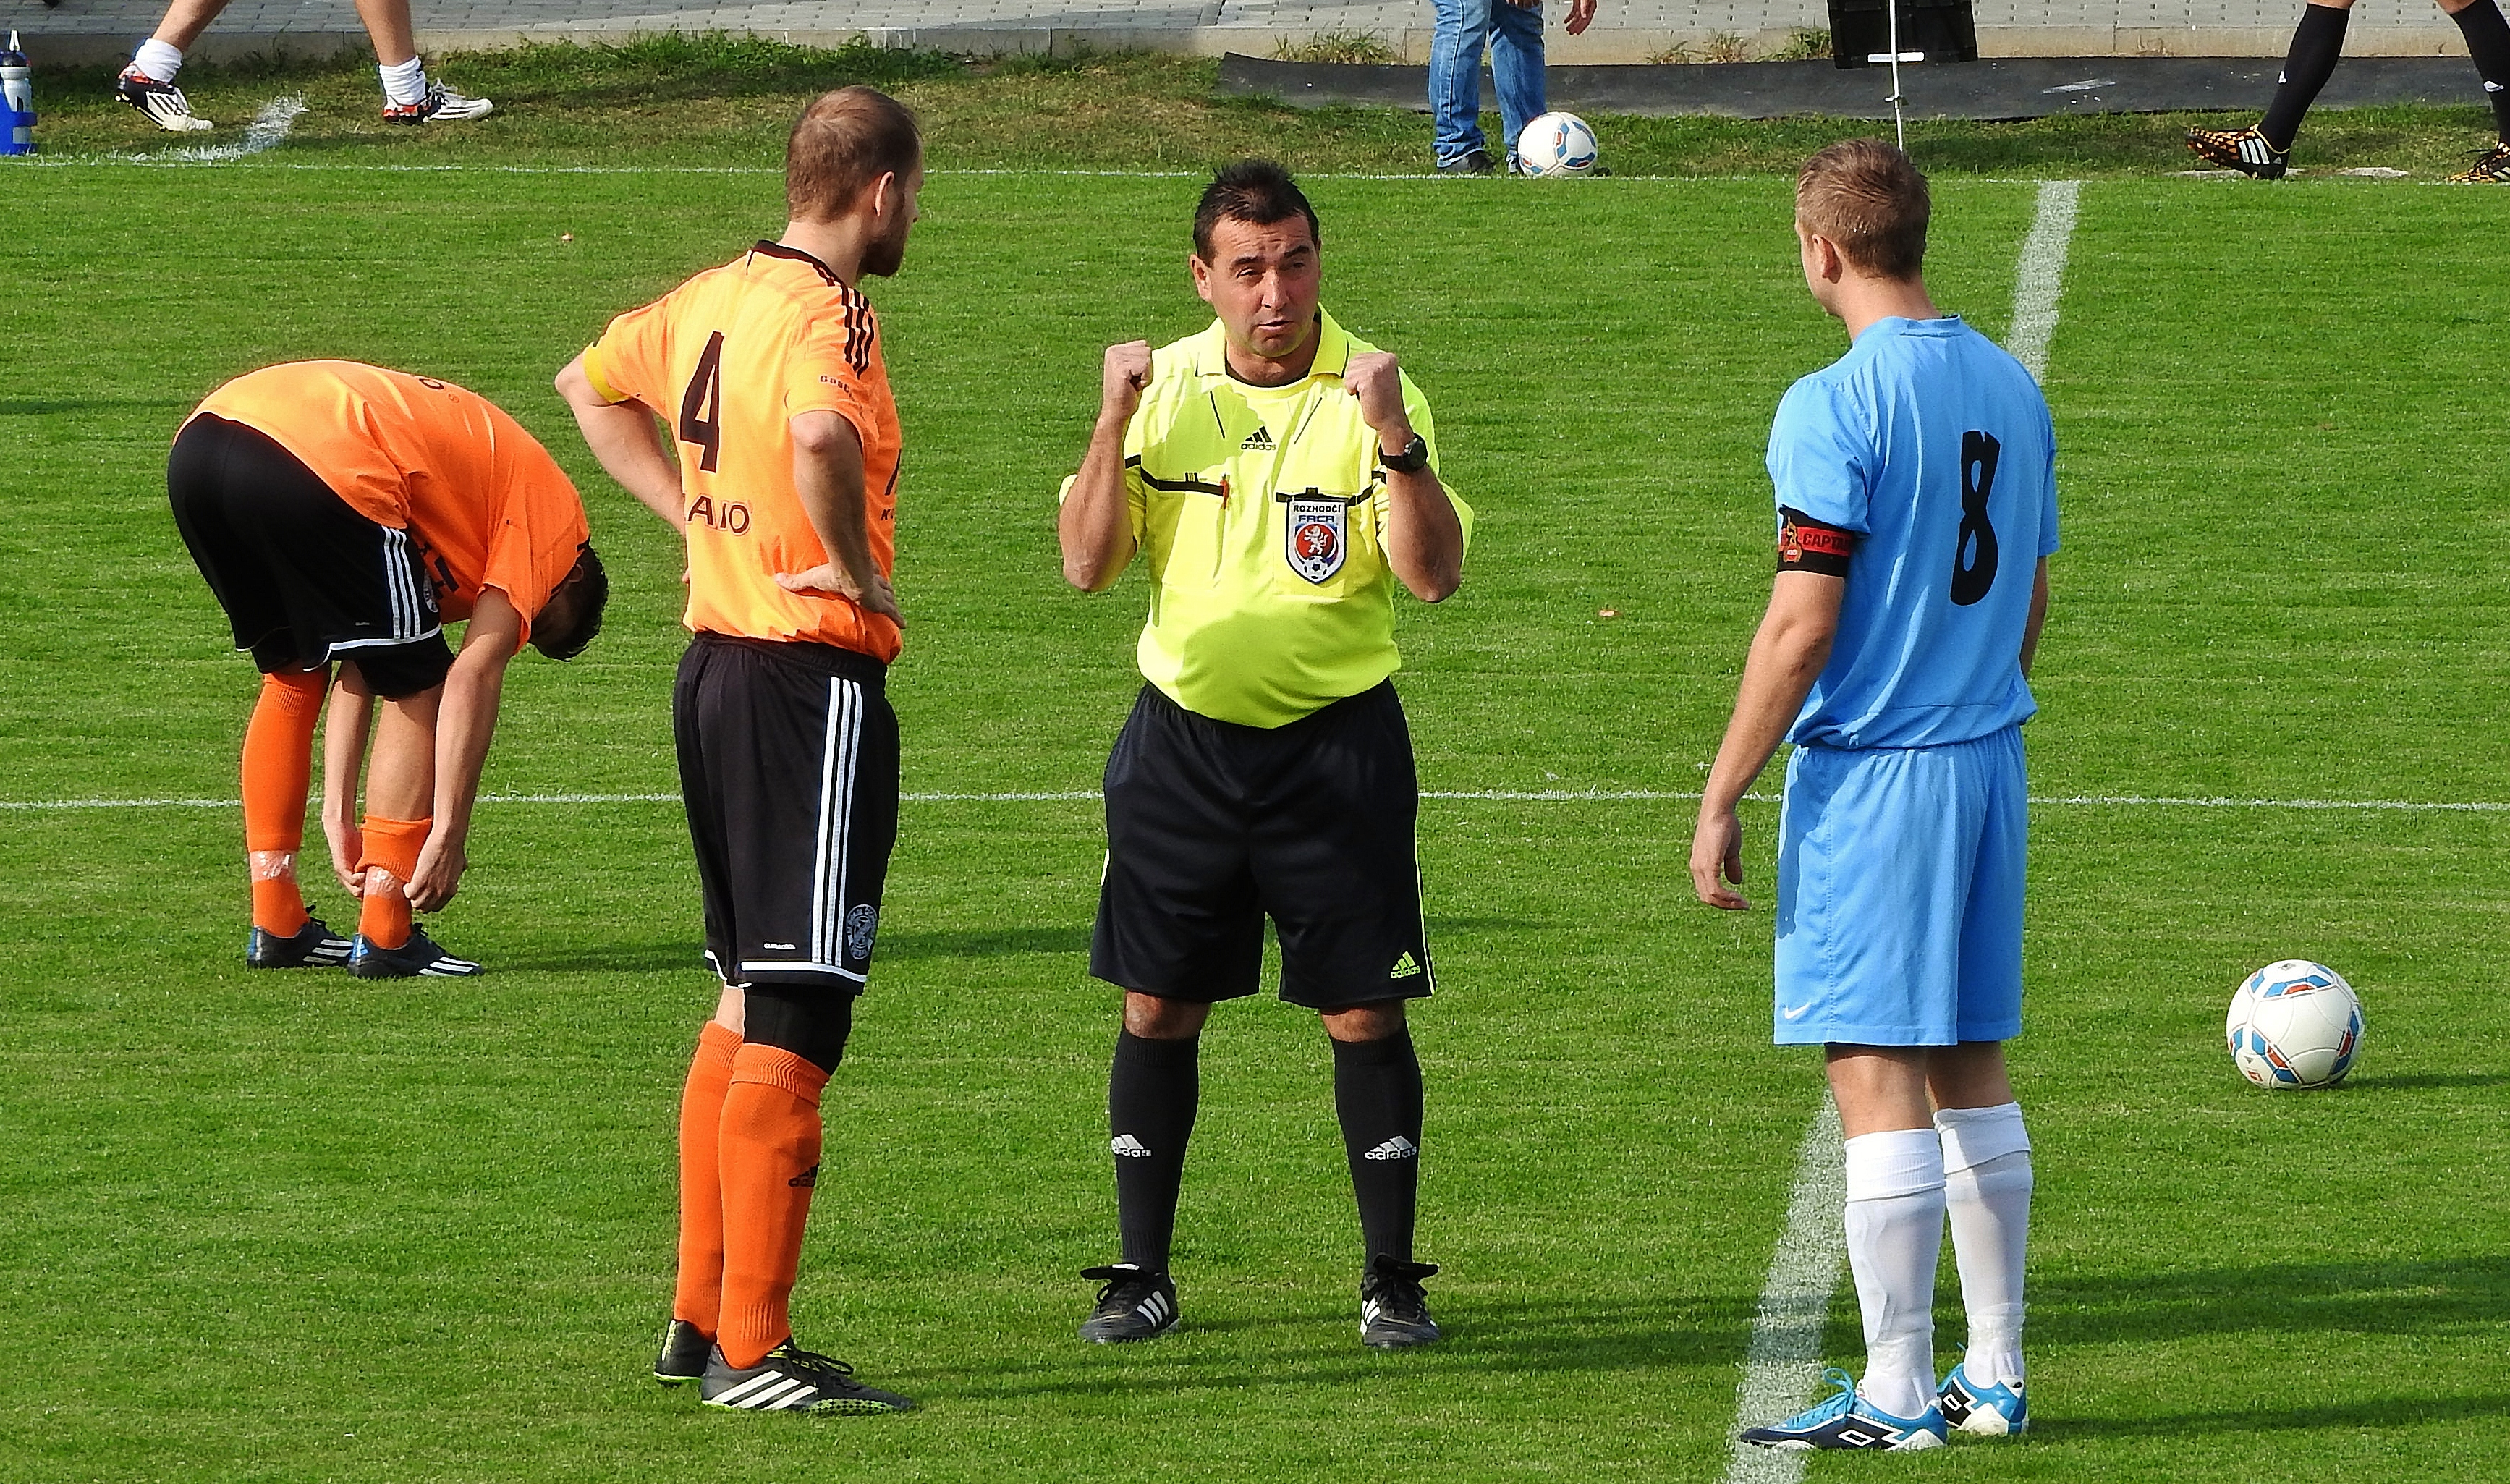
(1784, 1362)
(2041, 274)
(1482, 795)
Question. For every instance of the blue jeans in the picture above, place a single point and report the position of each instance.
(1514, 34)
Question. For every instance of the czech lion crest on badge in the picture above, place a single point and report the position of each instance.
(862, 924)
(1317, 535)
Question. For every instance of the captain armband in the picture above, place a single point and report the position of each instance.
(1807, 545)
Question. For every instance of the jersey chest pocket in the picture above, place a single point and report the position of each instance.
(1330, 542)
(1183, 514)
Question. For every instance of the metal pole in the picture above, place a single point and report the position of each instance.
(1899, 120)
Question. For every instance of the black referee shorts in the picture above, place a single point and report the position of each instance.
(304, 578)
(1211, 826)
(788, 765)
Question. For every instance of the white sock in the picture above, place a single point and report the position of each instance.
(1895, 1233)
(158, 60)
(1987, 1190)
(405, 82)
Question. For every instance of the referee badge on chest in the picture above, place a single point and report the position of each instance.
(1315, 536)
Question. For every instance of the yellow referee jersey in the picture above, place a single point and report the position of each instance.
(1261, 514)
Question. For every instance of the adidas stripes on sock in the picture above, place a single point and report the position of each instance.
(1377, 1094)
(2316, 45)
(696, 1296)
(1895, 1233)
(404, 83)
(1987, 1195)
(1152, 1092)
(770, 1164)
(2488, 41)
(158, 61)
(277, 770)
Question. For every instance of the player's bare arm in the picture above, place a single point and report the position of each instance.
(828, 476)
(1095, 526)
(1581, 15)
(466, 722)
(1788, 653)
(351, 710)
(1425, 541)
(627, 441)
(2038, 616)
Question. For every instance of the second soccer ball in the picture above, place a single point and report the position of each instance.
(1556, 144)
(2294, 1024)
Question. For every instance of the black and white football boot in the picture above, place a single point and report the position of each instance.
(685, 1349)
(791, 1379)
(2491, 168)
(1135, 1304)
(315, 946)
(161, 103)
(1393, 1309)
(419, 958)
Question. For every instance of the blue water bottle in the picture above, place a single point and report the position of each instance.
(17, 102)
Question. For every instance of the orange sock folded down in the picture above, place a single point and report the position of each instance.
(278, 769)
(771, 1163)
(697, 1297)
(389, 858)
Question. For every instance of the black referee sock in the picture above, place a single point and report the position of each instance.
(2316, 43)
(1377, 1092)
(2488, 41)
(1151, 1093)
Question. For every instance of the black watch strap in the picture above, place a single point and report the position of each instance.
(1414, 458)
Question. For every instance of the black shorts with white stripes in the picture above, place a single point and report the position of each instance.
(788, 765)
(1213, 826)
(304, 578)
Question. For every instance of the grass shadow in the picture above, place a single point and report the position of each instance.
(2380, 1413)
(2342, 1298)
(2426, 1080)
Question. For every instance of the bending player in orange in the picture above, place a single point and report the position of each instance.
(341, 513)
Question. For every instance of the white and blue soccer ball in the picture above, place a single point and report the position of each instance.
(2294, 1024)
(1556, 144)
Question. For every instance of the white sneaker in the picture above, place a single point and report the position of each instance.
(162, 104)
(442, 106)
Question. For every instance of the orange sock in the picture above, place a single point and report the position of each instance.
(697, 1297)
(771, 1162)
(277, 768)
(390, 859)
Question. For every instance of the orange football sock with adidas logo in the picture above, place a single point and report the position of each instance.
(278, 769)
(771, 1163)
(389, 858)
(697, 1297)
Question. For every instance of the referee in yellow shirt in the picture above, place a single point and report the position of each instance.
(1276, 477)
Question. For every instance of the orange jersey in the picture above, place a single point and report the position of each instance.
(483, 501)
(731, 357)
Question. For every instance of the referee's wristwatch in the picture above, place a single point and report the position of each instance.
(1414, 458)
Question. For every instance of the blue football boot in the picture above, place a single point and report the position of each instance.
(1848, 1421)
(1988, 1408)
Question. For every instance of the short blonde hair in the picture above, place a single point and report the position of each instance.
(1868, 199)
(843, 142)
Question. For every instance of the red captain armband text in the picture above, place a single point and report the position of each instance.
(1807, 545)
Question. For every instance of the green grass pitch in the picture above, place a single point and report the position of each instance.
(266, 1227)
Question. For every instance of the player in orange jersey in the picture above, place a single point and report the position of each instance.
(340, 512)
(769, 372)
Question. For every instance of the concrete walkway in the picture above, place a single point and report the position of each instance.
(1625, 30)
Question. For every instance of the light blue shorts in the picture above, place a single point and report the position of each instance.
(1900, 893)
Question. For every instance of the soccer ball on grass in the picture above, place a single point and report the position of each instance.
(1556, 144)
(2294, 1024)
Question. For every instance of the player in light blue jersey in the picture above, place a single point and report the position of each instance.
(1917, 511)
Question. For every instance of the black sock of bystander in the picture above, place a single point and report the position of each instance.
(1151, 1093)
(2316, 45)
(2488, 41)
(1377, 1092)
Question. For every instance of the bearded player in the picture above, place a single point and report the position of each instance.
(769, 372)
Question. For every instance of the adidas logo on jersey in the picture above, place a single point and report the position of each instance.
(1396, 1148)
(1260, 439)
(1125, 1147)
(1405, 966)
